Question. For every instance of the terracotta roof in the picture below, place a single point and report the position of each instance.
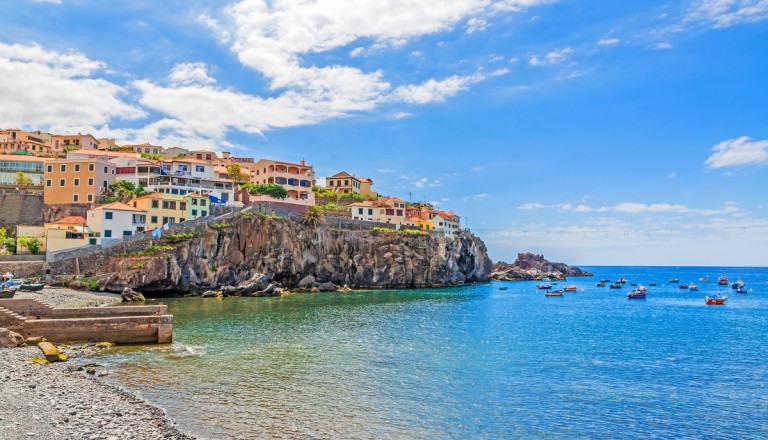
(187, 160)
(366, 203)
(445, 214)
(104, 153)
(341, 174)
(159, 196)
(21, 158)
(364, 179)
(71, 220)
(117, 206)
(199, 196)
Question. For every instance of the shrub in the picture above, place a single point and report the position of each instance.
(173, 238)
(248, 214)
(219, 225)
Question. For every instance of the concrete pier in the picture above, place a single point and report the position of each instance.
(122, 325)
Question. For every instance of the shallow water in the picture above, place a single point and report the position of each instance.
(470, 362)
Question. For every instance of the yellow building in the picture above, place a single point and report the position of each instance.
(344, 183)
(66, 233)
(165, 208)
(13, 140)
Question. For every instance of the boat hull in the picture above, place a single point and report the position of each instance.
(32, 287)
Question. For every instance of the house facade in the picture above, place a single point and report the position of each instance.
(32, 167)
(115, 221)
(344, 183)
(76, 180)
(296, 178)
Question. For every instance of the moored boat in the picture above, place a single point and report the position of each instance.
(693, 286)
(600, 284)
(704, 279)
(544, 286)
(738, 284)
(503, 288)
(722, 281)
(674, 280)
(621, 280)
(652, 283)
(571, 288)
(615, 286)
(642, 288)
(741, 290)
(32, 287)
(683, 286)
(554, 293)
(7, 294)
(716, 300)
(637, 294)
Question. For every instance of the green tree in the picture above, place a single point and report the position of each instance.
(266, 189)
(22, 179)
(313, 216)
(237, 175)
(32, 244)
(10, 245)
(124, 189)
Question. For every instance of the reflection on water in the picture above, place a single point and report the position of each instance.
(469, 362)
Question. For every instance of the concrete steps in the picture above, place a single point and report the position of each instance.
(9, 318)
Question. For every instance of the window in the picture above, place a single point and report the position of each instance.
(182, 206)
(370, 212)
(76, 182)
(153, 219)
(62, 182)
(48, 182)
(75, 198)
(91, 167)
(181, 220)
(199, 168)
(165, 204)
(194, 202)
(346, 183)
(107, 233)
(90, 181)
(90, 197)
(50, 168)
(63, 168)
(400, 212)
(173, 205)
(108, 215)
(77, 167)
(203, 213)
(105, 185)
(202, 203)
(126, 233)
(165, 220)
(359, 210)
(106, 170)
(155, 204)
(194, 213)
(91, 241)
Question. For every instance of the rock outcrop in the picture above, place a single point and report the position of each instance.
(257, 252)
(529, 266)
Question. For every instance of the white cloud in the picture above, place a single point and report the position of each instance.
(188, 74)
(725, 13)
(608, 41)
(476, 24)
(385, 170)
(57, 91)
(663, 45)
(495, 58)
(477, 197)
(356, 52)
(671, 175)
(554, 57)
(53, 2)
(634, 208)
(738, 152)
(434, 90)
(500, 72)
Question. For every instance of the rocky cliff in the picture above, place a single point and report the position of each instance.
(286, 252)
(534, 267)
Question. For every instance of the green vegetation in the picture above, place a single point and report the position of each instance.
(152, 156)
(7, 243)
(313, 216)
(237, 175)
(181, 236)
(266, 189)
(248, 214)
(23, 180)
(150, 251)
(404, 232)
(124, 189)
(219, 225)
(137, 265)
(180, 156)
(69, 148)
(92, 284)
(333, 207)
(32, 244)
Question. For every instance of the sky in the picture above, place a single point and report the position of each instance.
(592, 132)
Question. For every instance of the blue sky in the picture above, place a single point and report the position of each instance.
(592, 132)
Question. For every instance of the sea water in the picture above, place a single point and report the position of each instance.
(468, 362)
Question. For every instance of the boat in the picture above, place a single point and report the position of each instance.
(741, 290)
(722, 281)
(571, 288)
(7, 294)
(615, 286)
(544, 286)
(693, 286)
(716, 300)
(500, 288)
(621, 280)
(683, 286)
(554, 293)
(633, 284)
(600, 284)
(642, 288)
(636, 294)
(605, 281)
(652, 283)
(34, 287)
(674, 280)
(704, 279)
(738, 284)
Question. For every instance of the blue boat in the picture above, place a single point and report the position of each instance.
(544, 286)
(636, 294)
(741, 290)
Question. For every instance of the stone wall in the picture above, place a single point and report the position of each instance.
(20, 209)
(32, 269)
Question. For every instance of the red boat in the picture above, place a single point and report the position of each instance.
(571, 288)
(722, 281)
(544, 286)
(683, 286)
(716, 300)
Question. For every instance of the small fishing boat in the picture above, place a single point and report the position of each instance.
(554, 293)
(722, 281)
(674, 280)
(7, 294)
(605, 281)
(704, 279)
(600, 284)
(615, 286)
(503, 288)
(636, 294)
(683, 286)
(652, 283)
(621, 280)
(738, 284)
(32, 287)
(544, 286)
(741, 290)
(716, 300)
(633, 284)
(571, 288)
(642, 288)
(693, 286)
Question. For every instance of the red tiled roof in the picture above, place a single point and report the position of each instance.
(71, 220)
(118, 206)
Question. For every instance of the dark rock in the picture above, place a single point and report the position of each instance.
(529, 266)
(130, 295)
(307, 281)
(78, 285)
(327, 287)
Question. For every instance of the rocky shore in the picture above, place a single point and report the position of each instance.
(61, 297)
(530, 266)
(56, 401)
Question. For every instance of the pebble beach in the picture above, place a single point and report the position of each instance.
(61, 401)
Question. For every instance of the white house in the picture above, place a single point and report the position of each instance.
(115, 221)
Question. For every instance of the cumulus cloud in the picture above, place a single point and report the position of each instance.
(53, 2)
(663, 45)
(554, 57)
(726, 13)
(187, 74)
(738, 152)
(633, 208)
(608, 41)
(59, 91)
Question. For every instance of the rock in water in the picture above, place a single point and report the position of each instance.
(307, 281)
(529, 266)
(130, 295)
(6, 339)
(327, 287)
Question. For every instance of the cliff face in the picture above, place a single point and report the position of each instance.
(529, 266)
(287, 252)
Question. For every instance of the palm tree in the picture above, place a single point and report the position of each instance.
(313, 216)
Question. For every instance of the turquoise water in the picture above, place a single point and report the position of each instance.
(470, 362)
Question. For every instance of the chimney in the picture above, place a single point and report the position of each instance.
(302, 162)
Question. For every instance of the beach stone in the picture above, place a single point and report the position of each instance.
(327, 287)
(50, 351)
(104, 345)
(213, 294)
(6, 339)
(130, 295)
(34, 340)
(307, 281)
(19, 338)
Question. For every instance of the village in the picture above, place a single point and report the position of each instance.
(124, 190)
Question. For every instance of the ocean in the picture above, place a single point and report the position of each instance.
(468, 362)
